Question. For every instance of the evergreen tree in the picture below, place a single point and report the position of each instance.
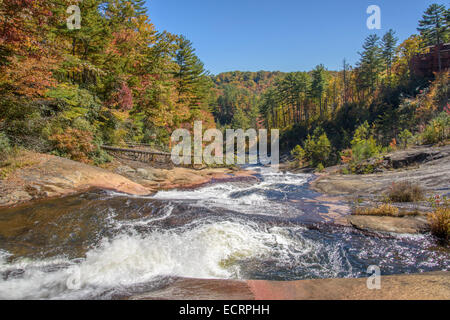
(139, 7)
(191, 75)
(318, 85)
(389, 44)
(371, 62)
(434, 27)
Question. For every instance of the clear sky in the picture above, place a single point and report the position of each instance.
(281, 35)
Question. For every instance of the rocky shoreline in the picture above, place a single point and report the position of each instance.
(424, 286)
(427, 167)
(48, 176)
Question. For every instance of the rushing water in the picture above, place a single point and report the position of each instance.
(108, 245)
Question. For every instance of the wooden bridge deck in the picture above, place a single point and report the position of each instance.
(143, 153)
(145, 156)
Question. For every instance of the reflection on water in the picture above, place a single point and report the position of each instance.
(116, 245)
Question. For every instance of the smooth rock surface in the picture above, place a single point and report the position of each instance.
(412, 225)
(425, 286)
(432, 172)
(51, 176)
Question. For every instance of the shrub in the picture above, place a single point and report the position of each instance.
(320, 168)
(101, 157)
(82, 125)
(363, 144)
(74, 144)
(299, 154)
(440, 218)
(438, 130)
(405, 191)
(440, 223)
(405, 138)
(346, 155)
(5, 146)
(317, 148)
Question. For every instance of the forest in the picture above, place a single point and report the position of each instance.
(117, 79)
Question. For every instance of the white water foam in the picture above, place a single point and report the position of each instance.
(245, 199)
(206, 250)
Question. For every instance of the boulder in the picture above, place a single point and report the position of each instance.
(411, 225)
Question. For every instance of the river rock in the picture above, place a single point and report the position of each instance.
(412, 225)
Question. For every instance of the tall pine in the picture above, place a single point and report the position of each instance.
(389, 44)
(434, 27)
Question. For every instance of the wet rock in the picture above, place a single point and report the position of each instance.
(411, 225)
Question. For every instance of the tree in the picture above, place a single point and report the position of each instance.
(434, 27)
(370, 64)
(345, 79)
(389, 44)
(318, 85)
(191, 75)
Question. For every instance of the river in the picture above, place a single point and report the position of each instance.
(105, 245)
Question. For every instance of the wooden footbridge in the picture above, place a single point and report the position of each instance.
(139, 152)
(142, 153)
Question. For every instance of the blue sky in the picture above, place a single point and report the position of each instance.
(281, 35)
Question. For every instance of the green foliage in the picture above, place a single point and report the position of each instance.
(389, 44)
(434, 26)
(5, 146)
(320, 167)
(317, 148)
(438, 130)
(299, 154)
(371, 63)
(363, 144)
(405, 138)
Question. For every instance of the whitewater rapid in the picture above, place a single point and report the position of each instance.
(240, 230)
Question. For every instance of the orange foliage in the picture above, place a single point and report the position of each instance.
(75, 143)
(393, 144)
(347, 156)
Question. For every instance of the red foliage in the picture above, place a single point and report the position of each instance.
(30, 60)
(122, 99)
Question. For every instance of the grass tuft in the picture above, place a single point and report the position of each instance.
(405, 191)
(383, 210)
(440, 223)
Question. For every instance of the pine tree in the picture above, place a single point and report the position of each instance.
(371, 61)
(318, 85)
(191, 75)
(389, 44)
(434, 27)
(139, 7)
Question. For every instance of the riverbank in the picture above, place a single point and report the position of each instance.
(35, 176)
(425, 167)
